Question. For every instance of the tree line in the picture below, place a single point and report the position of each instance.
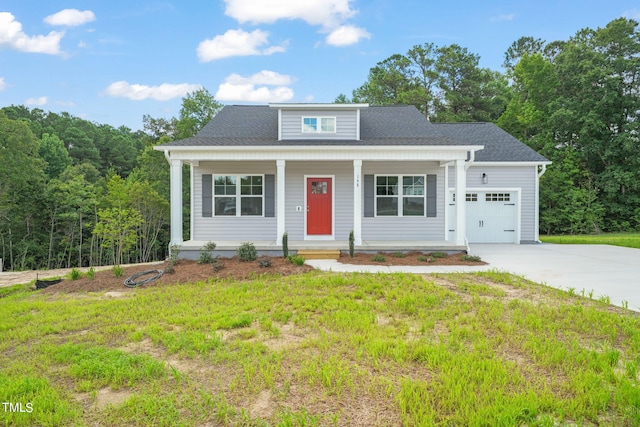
(78, 193)
(575, 101)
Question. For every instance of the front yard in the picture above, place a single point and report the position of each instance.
(629, 240)
(319, 349)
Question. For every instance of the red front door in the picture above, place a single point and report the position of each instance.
(319, 209)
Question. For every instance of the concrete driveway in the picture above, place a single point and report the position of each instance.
(606, 270)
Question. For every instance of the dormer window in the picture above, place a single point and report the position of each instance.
(318, 125)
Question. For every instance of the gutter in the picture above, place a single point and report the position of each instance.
(544, 169)
(166, 156)
(472, 159)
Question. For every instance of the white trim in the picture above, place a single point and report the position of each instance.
(237, 196)
(358, 124)
(333, 209)
(192, 213)
(357, 202)
(279, 125)
(318, 124)
(517, 190)
(176, 202)
(400, 195)
(536, 233)
(461, 203)
(280, 200)
(446, 201)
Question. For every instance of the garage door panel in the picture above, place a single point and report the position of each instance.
(491, 216)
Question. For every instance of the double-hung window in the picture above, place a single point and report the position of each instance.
(400, 195)
(238, 195)
(318, 125)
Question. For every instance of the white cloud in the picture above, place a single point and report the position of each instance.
(238, 88)
(503, 17)
(3, 84)
(236, 43)
(12, 36)
(37, 101)
(347, 35)
(136, 92)
(328, 13)
(70, 17)
(632, 14)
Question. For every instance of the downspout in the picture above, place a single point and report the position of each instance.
(472, 159)
(540, 173)
(166, 156)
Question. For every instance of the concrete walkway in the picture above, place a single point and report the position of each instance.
(602, 269)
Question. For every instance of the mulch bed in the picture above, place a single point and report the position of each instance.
(411, 258)
(184, 272)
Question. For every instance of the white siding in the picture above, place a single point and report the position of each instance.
(244, 228)
(522, 177)
(406, 228)
(346, 124)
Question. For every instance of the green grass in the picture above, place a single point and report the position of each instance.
(322, 349)
(629, 240)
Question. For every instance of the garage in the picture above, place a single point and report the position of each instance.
(492, 216)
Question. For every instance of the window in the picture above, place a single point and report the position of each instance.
(472, 197)
(498, 197)
(238, 195)
(402, 195)
(318, 125)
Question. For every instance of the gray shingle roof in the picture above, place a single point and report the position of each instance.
(401, 125)
(499, 146)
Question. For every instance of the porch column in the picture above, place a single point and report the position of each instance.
(176, 202)
(280, 202)
(357, 201)
(461, 199)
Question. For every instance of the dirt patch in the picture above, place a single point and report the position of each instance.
(184, 272)
(263, 407)
(410, 258)
(104, 397)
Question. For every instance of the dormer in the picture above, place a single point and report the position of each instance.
(318, 121)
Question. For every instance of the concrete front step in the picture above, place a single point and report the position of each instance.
(319, 253)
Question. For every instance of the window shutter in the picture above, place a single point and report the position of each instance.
(207, 195)
(369, 198)
(269, 195)
(432, 195)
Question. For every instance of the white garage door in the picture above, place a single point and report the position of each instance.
(492, 216)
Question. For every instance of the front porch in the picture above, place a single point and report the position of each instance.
(191, 249)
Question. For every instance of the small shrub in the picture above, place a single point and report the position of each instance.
(118, 270)
(296, 259)
(91, 274)
(210, 246)
(206, 257)
(285, 244)
(264, 263)
(174, 252)
(378, 258)
(473, 258)
(438, 255)
(75, 274)
(424, 258)
(399, 254)
(217, 264)
(352, 244)
(247, 252)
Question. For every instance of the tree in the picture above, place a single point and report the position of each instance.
(53, 151)
(198, 108)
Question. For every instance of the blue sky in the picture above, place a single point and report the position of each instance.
(114, 61)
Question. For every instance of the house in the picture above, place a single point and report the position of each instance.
(318, 171)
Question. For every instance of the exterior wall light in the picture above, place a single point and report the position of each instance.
(485, 178)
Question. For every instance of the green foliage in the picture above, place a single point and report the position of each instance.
(438, 254)
(285, 244)
(118, 271)
(264, 263)
(206, 257)
(296, 259)
(247, 252)
(630, 240)
(75, 274)
(399, 255)
(424, 258)
(91, 273)
(53, 151)
(378, 258)
(473, 258)
(352, 244)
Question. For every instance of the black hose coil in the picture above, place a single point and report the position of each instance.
(132, 281)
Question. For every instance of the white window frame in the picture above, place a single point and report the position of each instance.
(400, 196)
(237, 196)
(319, 124)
